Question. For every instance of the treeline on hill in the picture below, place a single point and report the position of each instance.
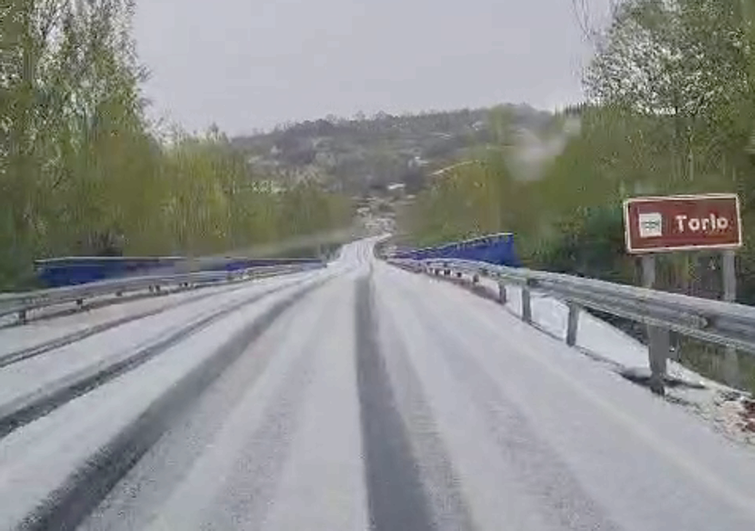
(364, 154)
(81, 171)
(672, 109)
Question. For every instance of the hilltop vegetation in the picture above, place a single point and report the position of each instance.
(366, 154)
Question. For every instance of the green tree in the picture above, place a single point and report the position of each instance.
(81, 171)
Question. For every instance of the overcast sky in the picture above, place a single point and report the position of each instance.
(248, 64)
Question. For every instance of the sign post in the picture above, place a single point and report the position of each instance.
(683, 223)
(731, 361)
(659, 339)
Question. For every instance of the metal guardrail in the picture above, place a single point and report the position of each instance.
(22, 303)
(724, 323)
(76, 270)
(498, 249)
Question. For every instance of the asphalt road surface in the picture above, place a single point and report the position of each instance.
(355, 397)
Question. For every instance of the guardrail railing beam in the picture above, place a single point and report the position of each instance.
(21, 304)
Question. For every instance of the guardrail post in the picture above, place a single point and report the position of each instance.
(22, 317)
(731, 359)
(502, 295)
(572, 324)
(526, 303)
(660, 344)
(659, 339)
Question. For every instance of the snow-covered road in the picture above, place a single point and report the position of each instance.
(355, 397)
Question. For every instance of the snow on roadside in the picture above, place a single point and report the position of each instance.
(594, 335)
(730, 412)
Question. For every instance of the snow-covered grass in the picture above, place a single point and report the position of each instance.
(594, 335)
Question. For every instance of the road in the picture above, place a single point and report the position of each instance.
(355, 397)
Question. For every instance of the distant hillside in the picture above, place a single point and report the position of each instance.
(364, 154)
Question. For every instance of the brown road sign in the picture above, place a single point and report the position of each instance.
(683, 222)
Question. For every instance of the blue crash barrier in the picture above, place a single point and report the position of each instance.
(236, 264)
(70, 271)
(494, 249)
(58, 272)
